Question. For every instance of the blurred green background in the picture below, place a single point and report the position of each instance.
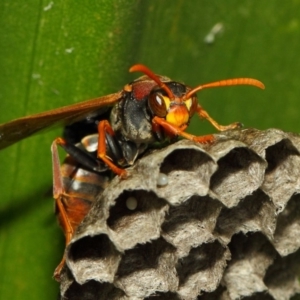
(54, 53)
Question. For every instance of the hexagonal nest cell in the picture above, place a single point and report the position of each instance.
(192, 221)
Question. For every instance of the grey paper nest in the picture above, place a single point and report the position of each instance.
(225, 226)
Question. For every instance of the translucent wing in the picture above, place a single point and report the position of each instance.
(22, 128)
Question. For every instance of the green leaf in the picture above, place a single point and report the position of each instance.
(260, 40)
(53, 53)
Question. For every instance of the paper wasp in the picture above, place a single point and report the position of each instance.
(151, 109)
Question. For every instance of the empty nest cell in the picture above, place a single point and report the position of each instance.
(191, 224)
(147, 269)
(287, 234)
(282, 173)
(240, 173)
(251, 257)
(282, 276)
(254, 213)
(93, 258)
(202, 269)
(187, 160)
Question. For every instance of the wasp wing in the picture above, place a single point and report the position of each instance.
(21, 128)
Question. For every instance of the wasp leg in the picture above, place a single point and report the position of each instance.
(79, 155)
(203, 114)
(173, 130)
(58, 195)
(72, 200)
(104, 129)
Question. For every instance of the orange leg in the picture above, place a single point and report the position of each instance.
(203, 114)
(58, 194)
(103, 128)
(173, 130)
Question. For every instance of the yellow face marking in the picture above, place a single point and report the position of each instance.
(167, 102)
(188, 103)
(178, 115)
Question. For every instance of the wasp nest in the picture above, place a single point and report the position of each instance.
(192, 221)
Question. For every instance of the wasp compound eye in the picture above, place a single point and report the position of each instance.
(157, 105)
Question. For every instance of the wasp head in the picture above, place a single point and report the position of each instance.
(169, 100)
(177, 103)
(170, 103)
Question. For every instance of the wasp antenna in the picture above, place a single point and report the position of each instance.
(226, 82)
(150, 74)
